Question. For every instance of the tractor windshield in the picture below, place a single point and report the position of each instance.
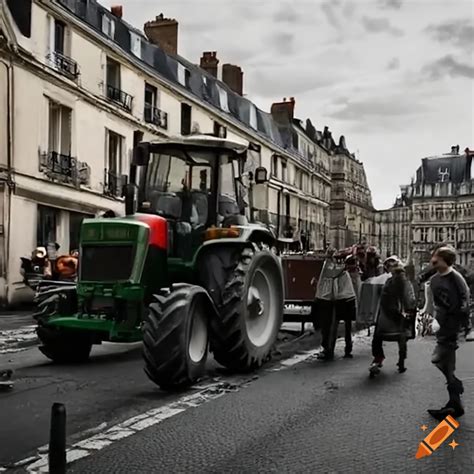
(183, 185)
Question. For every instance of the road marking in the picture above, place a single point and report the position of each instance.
(207, 393)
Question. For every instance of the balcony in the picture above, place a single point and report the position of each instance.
(156, 116)
(64, 169)
(64, 65)
(113, 183)
(120, 97)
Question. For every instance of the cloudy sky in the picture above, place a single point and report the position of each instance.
(396, 77)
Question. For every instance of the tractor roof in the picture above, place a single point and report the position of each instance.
(201, 141)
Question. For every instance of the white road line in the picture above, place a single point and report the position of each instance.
(134, 425)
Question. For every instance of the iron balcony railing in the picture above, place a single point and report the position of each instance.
(120, 97)
(113, 183)
(156, 116)
(65, 65)
(64, 169)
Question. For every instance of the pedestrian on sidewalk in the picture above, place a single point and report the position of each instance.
(397, 304)
(450, 295)
(373, 266)
(334, 295)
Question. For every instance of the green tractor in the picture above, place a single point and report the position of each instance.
(185, 271)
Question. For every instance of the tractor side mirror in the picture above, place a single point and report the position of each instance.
(261, 175)
(141, 154)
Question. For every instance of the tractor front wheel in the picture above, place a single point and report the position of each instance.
(175, 338)
(251, 312)
(64, 346)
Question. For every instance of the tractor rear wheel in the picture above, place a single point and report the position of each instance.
(251, 311)
(64, 346)
(175, 339)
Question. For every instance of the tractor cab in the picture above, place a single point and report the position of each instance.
(196, 183)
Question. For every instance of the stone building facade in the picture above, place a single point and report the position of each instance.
(79, 87)
(438, 206)
(352, 211)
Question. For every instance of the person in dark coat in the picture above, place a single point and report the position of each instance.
(396, 302)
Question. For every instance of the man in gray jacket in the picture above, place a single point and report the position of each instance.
(450, 295)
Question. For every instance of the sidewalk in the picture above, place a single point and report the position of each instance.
(17, 331)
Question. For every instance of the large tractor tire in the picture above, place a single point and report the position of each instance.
(251, 311)
(64, 346)
(176, 336)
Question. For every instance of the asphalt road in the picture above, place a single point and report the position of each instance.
(110, 388)
(312, 417)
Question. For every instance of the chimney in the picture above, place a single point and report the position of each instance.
(283, 112)
(233, 77)
(209, 62)
(163, 32)
(455, 150)
(117, 10)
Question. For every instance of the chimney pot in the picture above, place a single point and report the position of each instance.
(209, 62)
(283, 112)
(117, 10)
(233, 76)
(163, 32)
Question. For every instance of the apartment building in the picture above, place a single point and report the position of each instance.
(437, 207)
(79, 86)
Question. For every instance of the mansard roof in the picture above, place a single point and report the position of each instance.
(445, 168)
(201, 84)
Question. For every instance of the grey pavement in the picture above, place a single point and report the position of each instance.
(110, 388)
(17, 331)
(323, 417)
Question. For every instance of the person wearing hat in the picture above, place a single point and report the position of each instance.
(397, 301)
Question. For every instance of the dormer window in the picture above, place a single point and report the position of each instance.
(223, 99)
(253, 117)
(108, 26)
(135, 44)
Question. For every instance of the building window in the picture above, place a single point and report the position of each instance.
(151, 95)
(223, 99)
(186, 112)
(253, 117)
(136, 44)
(47, 225)
(58, 36)
(184, 76)
(284, 172)
(108, 26)
(113, 74)
(114, 158)
(59, 128)
(274, 166)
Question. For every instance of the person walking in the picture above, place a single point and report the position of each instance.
(346, 309)
(450, 295)
(333, 295)
(397, 301)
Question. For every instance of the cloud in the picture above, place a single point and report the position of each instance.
(283, 42)
(380, 25)
(374, 109)
(286, 14)
(448, 66)
(391, 4)
(459, 32)
(393, 64)
(329, 9)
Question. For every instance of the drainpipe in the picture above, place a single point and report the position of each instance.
(9, 68)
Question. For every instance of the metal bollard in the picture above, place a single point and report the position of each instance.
(57, 440)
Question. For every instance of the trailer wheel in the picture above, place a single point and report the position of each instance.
(64, 346)
(251, 312)
(175, 339)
